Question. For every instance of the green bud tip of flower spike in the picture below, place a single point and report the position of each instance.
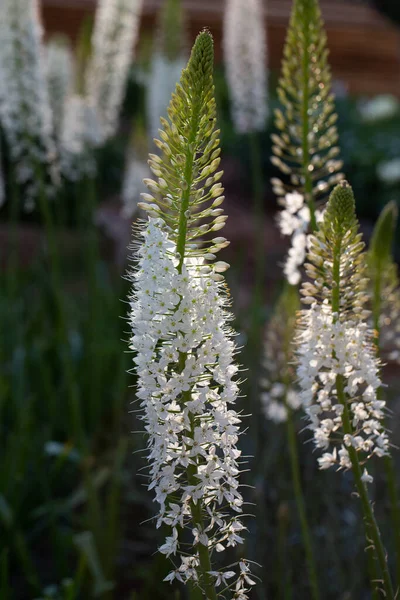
(341, 211)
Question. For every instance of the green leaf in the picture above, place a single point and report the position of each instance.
(382, 237)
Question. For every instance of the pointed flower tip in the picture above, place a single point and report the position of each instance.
(202, 56)
(341, 205)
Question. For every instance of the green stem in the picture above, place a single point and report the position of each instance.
(62, 331)
(195, 508)
(390, 470)
(256, 168)
(12, 241)
(298, 492)
(372, 532)
(371, 526)
(305, 143)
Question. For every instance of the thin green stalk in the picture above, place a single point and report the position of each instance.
(62, 330)
(298, 492)
(390, 470)
(257, 178)
(371, 526)
(12, 240)
(305, 143)
(195, 508)
(94, 344)
(284, 583)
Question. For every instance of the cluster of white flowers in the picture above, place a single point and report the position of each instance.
(184, 362)
(328, 348)
(163, 77)
(245, 51)
(379, 108)
(388, 171)
(294, 221)
(80, 133)
(114, 36)
(60, 78)
(24, 102)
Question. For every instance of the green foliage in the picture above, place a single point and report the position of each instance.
(305, 150)
(382, 238)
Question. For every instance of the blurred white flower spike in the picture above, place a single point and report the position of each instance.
(245, 58)
(60, 78)
(114, 36)
(25, 111)
(184, 351)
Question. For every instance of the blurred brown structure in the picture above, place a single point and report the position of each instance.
(364, 46)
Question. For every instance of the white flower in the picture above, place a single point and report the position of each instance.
(24, 102)
(114, 36)
(184, 362)
(244, 44)
(327, 349)
(366, 477)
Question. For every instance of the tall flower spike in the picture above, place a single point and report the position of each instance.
(337, 366)
(245, 49)
(168, 60)
(335, 344)
(25, 112)
(305, 149)
(114, 36)
(279, 391)
(60, 77)
(183, 344)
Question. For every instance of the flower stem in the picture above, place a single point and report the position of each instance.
(305, 143)
(371, 526)
(256, 168)
(390, 470)
(298, 492)
(62, 332)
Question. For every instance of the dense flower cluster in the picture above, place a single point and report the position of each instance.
(184, 361)
(294, 221)
(328, 348)
(245, 59)
(338, 370)
(114, 35)
(24, 102)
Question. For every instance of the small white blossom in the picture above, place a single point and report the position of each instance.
(245, 48)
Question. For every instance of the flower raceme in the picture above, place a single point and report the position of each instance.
(25, 111)
(183, 343)
(114, 35)
(338, 370)
(245, 58)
